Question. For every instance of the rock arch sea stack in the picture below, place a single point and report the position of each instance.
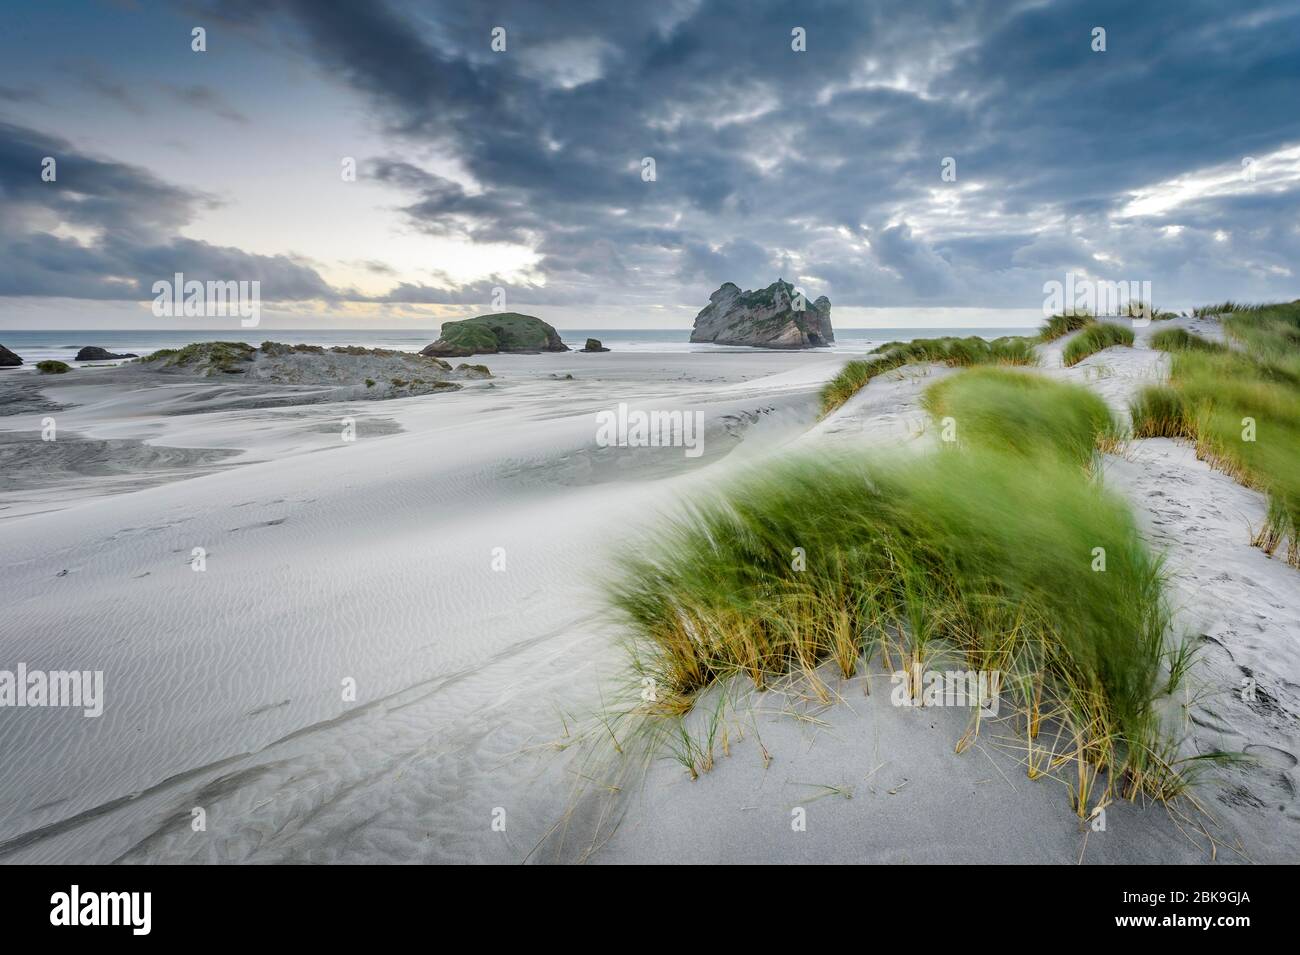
(767, 318)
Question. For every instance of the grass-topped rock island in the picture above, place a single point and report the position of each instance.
(498, 332)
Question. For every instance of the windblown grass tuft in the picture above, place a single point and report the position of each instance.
(1093, 339)
(1158, 412)
(1141, 309)
(1179, 339)
(1021, 413)
(956, 352)
(1220, 308)
(1058, 326)
(989, 552)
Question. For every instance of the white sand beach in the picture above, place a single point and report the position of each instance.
(450, 562)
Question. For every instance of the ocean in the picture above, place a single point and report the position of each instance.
(33, 346)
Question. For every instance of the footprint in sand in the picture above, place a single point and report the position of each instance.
(1271, 756)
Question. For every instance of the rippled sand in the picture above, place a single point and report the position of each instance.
(372, 561)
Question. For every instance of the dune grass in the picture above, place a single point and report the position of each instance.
(1141, 309)
(852, 378)
(1058, 326)
(1241, 406)
(1179, 339)
(1219, 308)
(1095, 337)
(955, 352)
(1158, 412)
(989, 551)
(1021, 413)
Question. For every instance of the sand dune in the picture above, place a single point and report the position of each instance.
(373, 561)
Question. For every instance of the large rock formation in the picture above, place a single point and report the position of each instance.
(8, 359)
(489, 334)
(767, 318)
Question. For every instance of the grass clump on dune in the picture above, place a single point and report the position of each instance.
(852, 378)
(1220, 308)
(1094, 338)
(1179, 339)
(1022, 413)
(1013, 350)
(1058, 326)
(1241, 406)
(1158, 412)
(988, 552)
(1140, 309)
(956, 352)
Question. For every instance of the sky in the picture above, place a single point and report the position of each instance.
(919, 163)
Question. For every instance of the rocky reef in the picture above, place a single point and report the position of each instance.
(95, 353)
(351, 370)
(490, 334)
(774, 317)
(8, 359)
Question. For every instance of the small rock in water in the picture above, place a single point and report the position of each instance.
(95, 353)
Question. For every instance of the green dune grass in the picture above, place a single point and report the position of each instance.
(1021, 413)
(1179, 339)
(956, 352)
(1094, 338)
(1242, 408)
(1158, 411)
(1058, 326)
(990, 551)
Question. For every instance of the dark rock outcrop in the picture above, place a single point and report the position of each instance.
(593, 344)
(490, 334)
(774, 317)
(95, 353)
(8, 359)
(337, 372)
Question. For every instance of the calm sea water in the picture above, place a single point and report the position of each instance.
(33, 346)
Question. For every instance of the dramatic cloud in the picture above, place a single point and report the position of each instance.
(122, 226)
(822, 166)
(829, 161)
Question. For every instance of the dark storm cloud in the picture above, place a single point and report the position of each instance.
(125, 223)
(823, 165)
(829, 159)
